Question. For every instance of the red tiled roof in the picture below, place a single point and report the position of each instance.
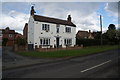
(53, 20)
(18, 35)
(8, 32)
(84, 34)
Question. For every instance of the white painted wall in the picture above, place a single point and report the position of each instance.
(31, 31)
(35, 32)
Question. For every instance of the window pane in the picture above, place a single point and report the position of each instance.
(43, 41)
(46, 41)
(66, 29)
(65, 41)
(48, 27)
(49, 41)
(45, 26)
(57, 29)
(42, 26)
(70, 41)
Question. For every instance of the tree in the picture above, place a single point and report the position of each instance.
(111, 33)
(4, 41)
(118, 34)
(111, 27)
(21, 42)
(96, 34)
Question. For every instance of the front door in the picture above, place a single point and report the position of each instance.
(57, 42)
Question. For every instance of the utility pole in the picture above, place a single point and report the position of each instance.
(101, 29)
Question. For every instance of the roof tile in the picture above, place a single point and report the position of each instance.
(53, 20)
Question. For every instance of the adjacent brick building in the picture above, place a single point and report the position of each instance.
(25, 31)
(9, 34)
(0, 37)
(84, 35)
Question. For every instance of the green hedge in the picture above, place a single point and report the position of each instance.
(90, 42)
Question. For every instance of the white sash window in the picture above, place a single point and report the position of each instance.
(45, 41)
(68, 41)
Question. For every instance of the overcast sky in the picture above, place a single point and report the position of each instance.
(84, 14)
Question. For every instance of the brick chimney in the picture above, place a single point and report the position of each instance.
(69, 18)
(32, 11)
(89, 31)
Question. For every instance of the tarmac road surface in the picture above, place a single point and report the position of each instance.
(101, 65)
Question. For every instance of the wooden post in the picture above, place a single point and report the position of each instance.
(101, 29)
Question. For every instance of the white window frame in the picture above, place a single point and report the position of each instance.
(68, 41)
(44, 41)
(1, 35)
(10, 35)
(46, 27)
(68, 29)
(57, 28)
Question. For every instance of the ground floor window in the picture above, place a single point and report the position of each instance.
(67, 41)
(45, 41)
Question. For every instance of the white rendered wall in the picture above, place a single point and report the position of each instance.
(31, 31)
(35, 32)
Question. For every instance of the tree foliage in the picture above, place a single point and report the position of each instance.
(90, 42)
(118, 33)
(111, 32)
(4, 41)
(112, 36)
(111, 27)
(20, 42)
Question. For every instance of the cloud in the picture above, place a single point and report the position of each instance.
(81, 8)
(112, 8)
(117, 26)
(60, 0)
(14, 20)
(83, 14)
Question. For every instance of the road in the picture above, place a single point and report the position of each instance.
(0, 62)
(0, 52)
(101, 65)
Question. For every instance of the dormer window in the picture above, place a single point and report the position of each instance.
(46, 27)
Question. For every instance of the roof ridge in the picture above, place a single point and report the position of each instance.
(53, 20)
(50, 17)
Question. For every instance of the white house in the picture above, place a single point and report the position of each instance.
(46, 32)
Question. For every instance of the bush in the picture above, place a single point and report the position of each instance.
(90, 42)
(21, 42)
(4, 41)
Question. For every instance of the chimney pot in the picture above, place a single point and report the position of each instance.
(69, 18)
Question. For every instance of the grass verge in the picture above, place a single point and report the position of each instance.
(68, 53)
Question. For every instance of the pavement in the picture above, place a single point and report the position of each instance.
(102, 65)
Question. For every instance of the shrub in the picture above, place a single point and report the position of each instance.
(4, 41)
(21, 42)
(90, 42)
